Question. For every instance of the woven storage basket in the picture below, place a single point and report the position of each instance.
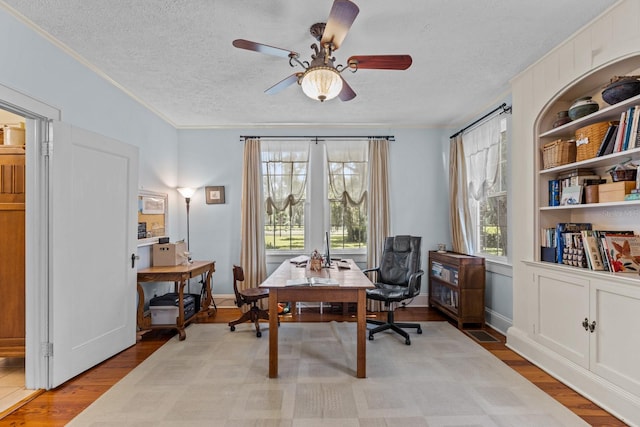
(558, 153)
(588, 140)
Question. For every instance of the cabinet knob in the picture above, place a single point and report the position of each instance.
(585, 324)
(592, 326)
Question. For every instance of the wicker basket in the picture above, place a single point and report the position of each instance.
(589, 139)
(558, 153)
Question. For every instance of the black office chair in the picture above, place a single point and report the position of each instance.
(397, 279)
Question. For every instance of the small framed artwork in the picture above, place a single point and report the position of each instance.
(214, 195)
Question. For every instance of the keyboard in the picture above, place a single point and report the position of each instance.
(343, 264)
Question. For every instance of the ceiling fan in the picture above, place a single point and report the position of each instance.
(321, 79)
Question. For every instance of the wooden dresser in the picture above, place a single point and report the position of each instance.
(12, 250)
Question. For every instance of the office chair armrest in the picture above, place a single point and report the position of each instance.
(414, 282)
(371, 270)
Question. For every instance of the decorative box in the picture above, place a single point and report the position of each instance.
(169, 254)
(614, 191)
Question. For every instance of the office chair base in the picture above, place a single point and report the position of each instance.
(395, 327)
(254, 315)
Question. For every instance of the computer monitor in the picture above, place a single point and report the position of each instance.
(327, 253)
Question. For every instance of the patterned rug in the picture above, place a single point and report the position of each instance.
(220, 378)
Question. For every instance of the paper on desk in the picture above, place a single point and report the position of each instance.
(301, 259)
(313, 281)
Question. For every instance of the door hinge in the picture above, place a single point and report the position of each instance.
(47, 148)
(47, 349)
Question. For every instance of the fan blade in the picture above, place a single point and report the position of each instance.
(282, 84)
(263, 48)
(346, 94)
(342, 15)
(380, 62)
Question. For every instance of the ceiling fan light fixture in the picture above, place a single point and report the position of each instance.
(321, 83)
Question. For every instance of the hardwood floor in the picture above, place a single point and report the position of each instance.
(57, 407)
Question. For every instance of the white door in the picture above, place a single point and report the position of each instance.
(93, 188)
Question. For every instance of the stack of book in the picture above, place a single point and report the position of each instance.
(623, 135)
(616, 251)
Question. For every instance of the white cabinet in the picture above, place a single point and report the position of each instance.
(590, 322)
(561, 306)
(614, 345)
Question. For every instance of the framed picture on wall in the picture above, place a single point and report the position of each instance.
(214, 195)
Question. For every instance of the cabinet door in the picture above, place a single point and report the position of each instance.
(615, 342)
(562, 304)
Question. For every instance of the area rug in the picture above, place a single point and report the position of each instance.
(220, 378)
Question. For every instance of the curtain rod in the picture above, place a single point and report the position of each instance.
(318, 138)
(502, 107)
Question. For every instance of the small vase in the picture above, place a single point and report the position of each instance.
(583, 107)
(562, 118)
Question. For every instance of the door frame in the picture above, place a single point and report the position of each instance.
(37, 115)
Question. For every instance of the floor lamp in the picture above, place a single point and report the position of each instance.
(187, 193)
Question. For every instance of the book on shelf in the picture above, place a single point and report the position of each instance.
(313, 281)
(633, 133)
(606, 147)
(602, 244)
(554, 192)
(617, 147)
(567, 227)
(627, 129)
(571, 195)
(592, 250)
(624, 252)
(573, 252)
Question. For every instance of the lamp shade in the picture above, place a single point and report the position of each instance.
(321, 83)
(186, 192)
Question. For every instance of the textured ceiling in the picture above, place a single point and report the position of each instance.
(176, 57)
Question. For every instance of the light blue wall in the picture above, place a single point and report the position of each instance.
(418, 190)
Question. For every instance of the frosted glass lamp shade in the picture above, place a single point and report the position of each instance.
(321, 83)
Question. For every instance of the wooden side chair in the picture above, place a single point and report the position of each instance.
(249, 296)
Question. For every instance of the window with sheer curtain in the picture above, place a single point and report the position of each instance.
(347, 167)
(485, 149)
(284, 172)
(319, 182)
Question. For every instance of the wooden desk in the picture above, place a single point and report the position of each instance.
(180, 275)
(352, 288)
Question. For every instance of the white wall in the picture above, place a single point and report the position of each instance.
(214, 157)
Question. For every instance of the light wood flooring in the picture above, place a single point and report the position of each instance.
(57, 407)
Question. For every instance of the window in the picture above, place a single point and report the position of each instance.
(347, 195)
(284, 175)
(486, 163)
(315, 186)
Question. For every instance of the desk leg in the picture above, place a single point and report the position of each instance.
(205, 306)
(180, 320)
(361, 350)
(273, 333)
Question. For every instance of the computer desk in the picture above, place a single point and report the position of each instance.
(352, 287)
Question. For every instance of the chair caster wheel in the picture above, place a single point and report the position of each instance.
(407, 341)
(419, 330)
(258, 334)
(233, 328)
(370, 337)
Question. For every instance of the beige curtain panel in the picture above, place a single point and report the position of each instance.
(252, 247)
(379, 217)
(459, 212)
